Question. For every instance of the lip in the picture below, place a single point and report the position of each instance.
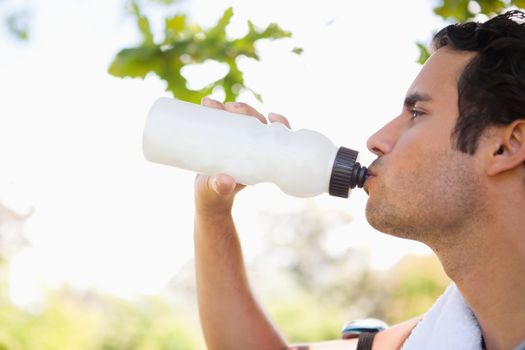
(367, 182)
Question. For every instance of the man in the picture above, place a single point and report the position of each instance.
(450, 172)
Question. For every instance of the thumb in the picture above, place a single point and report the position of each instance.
(223, 184)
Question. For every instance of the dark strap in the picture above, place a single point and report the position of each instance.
(365, 341)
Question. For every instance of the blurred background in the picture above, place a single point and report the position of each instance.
(96, 244)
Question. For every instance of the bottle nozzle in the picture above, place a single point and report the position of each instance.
(360, 174)
(347, 173)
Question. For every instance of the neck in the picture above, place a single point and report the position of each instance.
(487, 263)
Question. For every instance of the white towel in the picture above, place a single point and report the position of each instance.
(449, 324)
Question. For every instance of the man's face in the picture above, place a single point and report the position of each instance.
(420, 183)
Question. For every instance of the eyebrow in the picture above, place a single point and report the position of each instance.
(411, 99)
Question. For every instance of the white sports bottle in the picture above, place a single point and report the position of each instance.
(303, 163)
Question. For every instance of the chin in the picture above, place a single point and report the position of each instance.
(374, 216)
(389, 221)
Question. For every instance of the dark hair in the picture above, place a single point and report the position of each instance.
(491, 89)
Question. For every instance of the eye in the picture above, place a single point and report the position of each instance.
(414, 113)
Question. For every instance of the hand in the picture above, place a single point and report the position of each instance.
(215, 194)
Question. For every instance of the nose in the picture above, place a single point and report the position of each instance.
(384, 140)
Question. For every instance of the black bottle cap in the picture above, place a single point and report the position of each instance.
(347, 173)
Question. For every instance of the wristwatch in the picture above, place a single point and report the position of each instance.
(368, 325)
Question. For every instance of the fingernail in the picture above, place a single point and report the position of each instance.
(275, 116)
(210, 100)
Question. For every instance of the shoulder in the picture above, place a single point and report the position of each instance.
(391, 338)
(395, 336)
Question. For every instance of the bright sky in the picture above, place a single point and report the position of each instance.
(70, 134)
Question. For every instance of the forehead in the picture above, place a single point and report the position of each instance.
(439, 76)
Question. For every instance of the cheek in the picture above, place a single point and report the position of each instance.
(416, 164)
(413, 151)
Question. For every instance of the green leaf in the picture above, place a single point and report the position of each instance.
(273, 31)
(135, 62)
(143, 24)
(491, 7)
(454, 9)
(234, 77)
(518, 3)
(257, 95)
(186, 43)
(219, 30)
(174, 27)
(297, 50)
(424, 53)
(246, 44)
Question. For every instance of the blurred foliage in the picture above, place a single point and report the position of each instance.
(57, 326)
(411, 287)
(301, 244)
(424, 53)
(309, 288)
(148, 324)
(184, 43)
(69, 319)
(18, 25)
(16, 19)
(466, 10)
(317, 286)
(302, 317)
(88, 321)
(82, 320)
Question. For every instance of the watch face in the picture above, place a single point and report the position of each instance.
(369, 325)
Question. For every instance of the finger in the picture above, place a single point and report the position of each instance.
(243, 108)
(223, 184)
(209, 102)
(278, 118)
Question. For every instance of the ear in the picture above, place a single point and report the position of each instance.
(509, 148)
